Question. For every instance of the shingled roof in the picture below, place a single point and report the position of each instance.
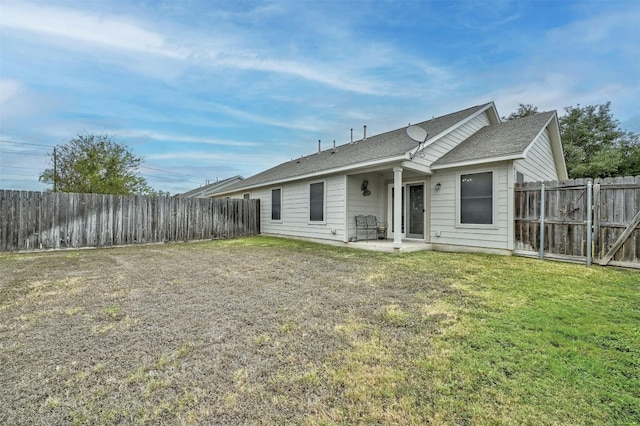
(389, 145)
(212, 188)
(499, 141)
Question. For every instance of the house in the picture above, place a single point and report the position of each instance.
(455, 175)
(211, 188)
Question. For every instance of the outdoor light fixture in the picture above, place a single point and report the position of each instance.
(438, 186)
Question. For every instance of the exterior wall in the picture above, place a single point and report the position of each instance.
(445, 144)
(444, 205)
(295, 209)
(359, 204)
(539, 164)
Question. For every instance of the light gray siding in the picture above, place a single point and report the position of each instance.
(366, 205)
(539, 163)
(295, 210)
(445, 226)
(446, 143)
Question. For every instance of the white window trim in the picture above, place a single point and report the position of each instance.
(494, 199)
(271, 205)
(324, 203)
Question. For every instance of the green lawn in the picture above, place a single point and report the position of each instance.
(522, 342)
(531, 342)
(273, 331)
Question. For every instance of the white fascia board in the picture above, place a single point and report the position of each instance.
(478, 161)
(412, 165)
(535, 139)
(325, 172)
(556, 147)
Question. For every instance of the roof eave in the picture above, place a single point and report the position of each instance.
(489, 106)
(343, 169)
(475, 162)
(556, 147)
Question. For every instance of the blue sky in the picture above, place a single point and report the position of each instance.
(206, 90)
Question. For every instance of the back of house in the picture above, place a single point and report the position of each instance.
(446, 182)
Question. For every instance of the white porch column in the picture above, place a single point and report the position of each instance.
(397, 208)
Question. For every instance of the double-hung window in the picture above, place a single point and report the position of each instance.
(276, 204)
(476, 199)
(316, 202)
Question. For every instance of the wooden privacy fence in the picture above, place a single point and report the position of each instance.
(42, 220)
(581, 220)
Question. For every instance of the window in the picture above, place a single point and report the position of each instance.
(246, 196)
(276, 204)
(316, 202)
(519, 177)
(476, 198)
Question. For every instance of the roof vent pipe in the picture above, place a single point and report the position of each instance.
(334, 144)
(364, 138)
(319, 150)
(351, 135)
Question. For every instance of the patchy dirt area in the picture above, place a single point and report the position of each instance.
(224, 332)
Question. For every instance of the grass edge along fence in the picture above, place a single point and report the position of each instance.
(560, 213)
(54, 220)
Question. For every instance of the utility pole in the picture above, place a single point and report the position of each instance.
(55, 170)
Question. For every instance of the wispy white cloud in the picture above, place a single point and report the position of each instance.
(18, 102)
(246, 164)
(167, 137)
(86, 28)
(236, 87)
(315, 72)
(124, 35)
(307, 124)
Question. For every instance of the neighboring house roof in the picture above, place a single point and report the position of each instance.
(379, 148)
(207, 190)
(503, 141)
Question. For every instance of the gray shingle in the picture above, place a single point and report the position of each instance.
(499, 140)
(386, 145)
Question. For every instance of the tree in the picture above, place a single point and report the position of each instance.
(595, 145)
(94, 164)
(524, 110)
(630, 149)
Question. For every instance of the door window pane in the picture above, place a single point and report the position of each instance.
(416, 215)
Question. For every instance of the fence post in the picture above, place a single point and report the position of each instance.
(542, 221)
(589, 221)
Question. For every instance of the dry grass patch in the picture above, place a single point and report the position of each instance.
(274, 331)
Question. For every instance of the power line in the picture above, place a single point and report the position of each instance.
(18, 167)
(16, 175)
(23, 153)
(149, 172)
(24, 143)
(6, 141)
(170, 172)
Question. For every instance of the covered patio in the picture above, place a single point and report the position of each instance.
(388, 245)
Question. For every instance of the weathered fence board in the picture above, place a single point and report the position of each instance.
(35, 220)
(615, 205)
